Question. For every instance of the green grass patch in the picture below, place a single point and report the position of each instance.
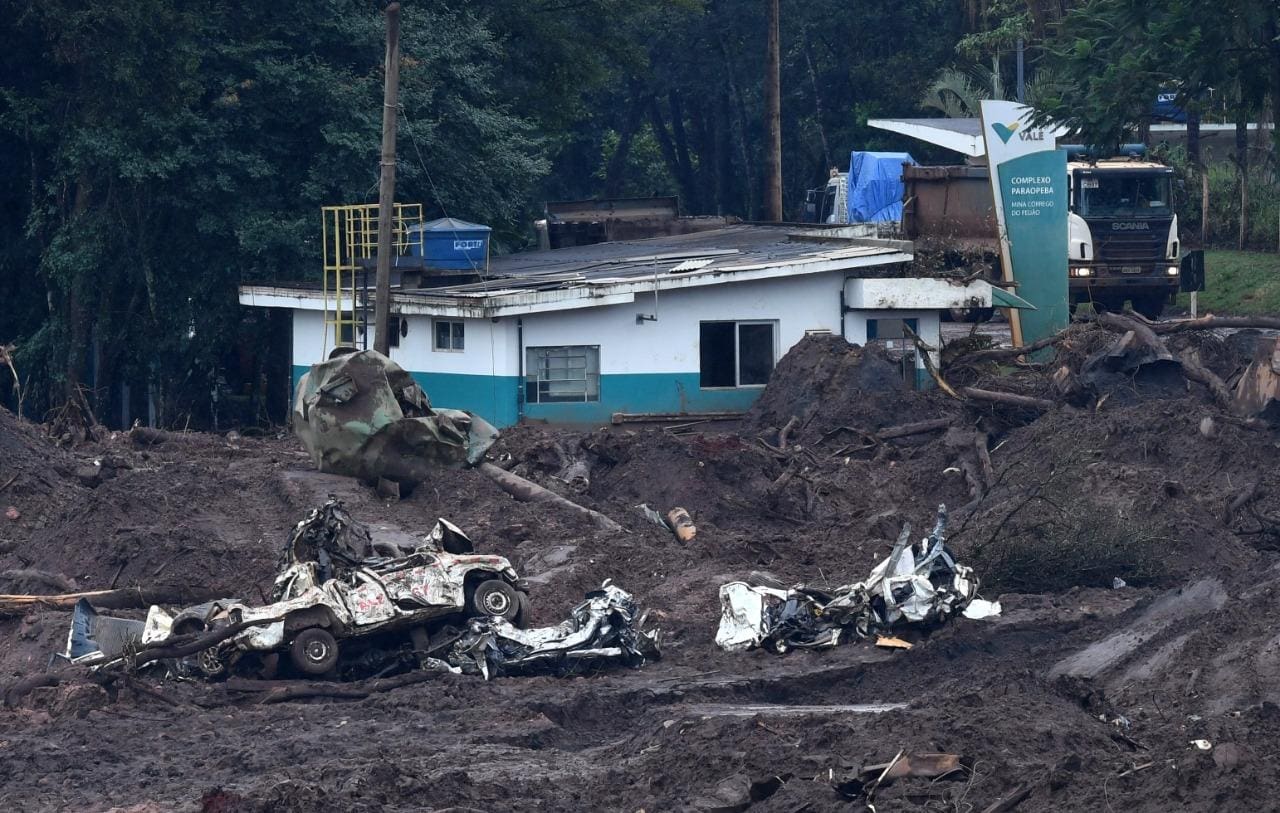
(1238, 282)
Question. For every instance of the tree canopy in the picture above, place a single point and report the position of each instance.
(155, 155)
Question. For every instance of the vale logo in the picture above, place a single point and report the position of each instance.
(1006, 131)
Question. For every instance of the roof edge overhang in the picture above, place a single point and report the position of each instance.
(592, 294)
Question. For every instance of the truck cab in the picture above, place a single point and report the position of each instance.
(830, 203)
(1122, 235)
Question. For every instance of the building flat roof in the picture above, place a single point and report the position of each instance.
(613, 273)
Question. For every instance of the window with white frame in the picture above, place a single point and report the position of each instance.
(450, 335)
(558, 375)
(736, 354)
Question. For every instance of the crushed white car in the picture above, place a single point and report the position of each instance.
(336, 596)
(916, 584)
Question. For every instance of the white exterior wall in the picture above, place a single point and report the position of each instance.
(308, 338)
(489, 348)
(670, 344)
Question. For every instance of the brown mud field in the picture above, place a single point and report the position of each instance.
(1132, 541)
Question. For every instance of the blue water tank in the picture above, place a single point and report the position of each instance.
(451, 243)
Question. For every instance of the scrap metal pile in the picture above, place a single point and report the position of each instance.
(918, 584)
(346, 605)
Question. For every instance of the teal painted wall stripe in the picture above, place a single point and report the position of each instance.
(494, 398)
(646, 392)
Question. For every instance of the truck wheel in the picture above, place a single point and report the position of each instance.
(314, 651)
(496, 597)
(1149, 306)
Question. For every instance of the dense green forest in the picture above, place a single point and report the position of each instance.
(156, 153)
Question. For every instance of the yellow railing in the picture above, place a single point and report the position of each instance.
(350, 235)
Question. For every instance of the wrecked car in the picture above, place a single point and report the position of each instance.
(607, 627)
(339, 595)
(919, 584)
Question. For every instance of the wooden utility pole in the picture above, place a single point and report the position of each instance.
(773, 121)
(387, 184)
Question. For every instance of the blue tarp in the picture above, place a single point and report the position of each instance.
(875, 186)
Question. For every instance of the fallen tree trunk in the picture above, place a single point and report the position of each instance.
(183, 645)
(1194, 370)
(1009, 398)
(146, 436)
(123, 598)
(1210, 322)
(275, 691)
(527, 491)
(14, 694)
(1142, 332)
(1002, 353)
(57, 581)
(917, 428)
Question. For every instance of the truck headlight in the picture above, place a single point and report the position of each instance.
(1081, 272)
(1172, 270)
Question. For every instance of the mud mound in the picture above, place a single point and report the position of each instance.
(36, 479)
(826, 382)
(1143, 492)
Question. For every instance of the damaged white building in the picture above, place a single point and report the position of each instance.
(691, 324)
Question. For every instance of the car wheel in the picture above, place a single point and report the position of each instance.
(314, 651)
(209, 663)
(495, 597)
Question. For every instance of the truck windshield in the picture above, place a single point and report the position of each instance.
(1108, 195)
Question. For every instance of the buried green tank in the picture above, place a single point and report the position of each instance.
(362, 415)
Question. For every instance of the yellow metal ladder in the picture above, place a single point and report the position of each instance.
(350, 245)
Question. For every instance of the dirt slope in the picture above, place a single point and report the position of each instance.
(1081, 697)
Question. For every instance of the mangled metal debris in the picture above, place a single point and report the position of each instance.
(916, 584)
(362, 415)
(348, 606)
(607, 627)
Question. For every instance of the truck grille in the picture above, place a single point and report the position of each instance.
(1113, 246)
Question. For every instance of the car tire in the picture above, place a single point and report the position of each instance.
(314, 651)
(496, 598)
(210, 663)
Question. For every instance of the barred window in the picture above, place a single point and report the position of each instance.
(555, 375)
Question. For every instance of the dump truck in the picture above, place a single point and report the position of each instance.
(1123, 238)
(1122, 233)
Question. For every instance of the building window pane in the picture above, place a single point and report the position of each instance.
(449, 335)
(556, 375)
(736, 354)
(716, 353)
(755, 354)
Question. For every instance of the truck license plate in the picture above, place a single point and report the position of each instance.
(1130, 269)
